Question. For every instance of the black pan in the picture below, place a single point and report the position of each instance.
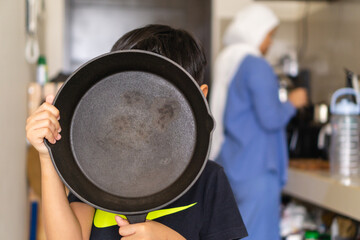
(136, 132)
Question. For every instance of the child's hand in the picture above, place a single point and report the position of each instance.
(43, 123)
(149, 230)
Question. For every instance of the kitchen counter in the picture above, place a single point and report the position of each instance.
(316, 187)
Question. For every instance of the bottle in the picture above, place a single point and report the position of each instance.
(311, 235)
(344, 148)
(41, 71)
(324, 236)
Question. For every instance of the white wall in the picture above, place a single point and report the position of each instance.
(54, 35)
(289, 13)
(333, 44)
(15, 75)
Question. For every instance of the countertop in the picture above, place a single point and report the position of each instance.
(318, 188)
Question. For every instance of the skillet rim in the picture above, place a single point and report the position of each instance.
(210, 130)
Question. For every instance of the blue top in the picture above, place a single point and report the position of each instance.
(254, 123)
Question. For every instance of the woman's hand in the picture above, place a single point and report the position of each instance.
(43, 123)
(149, 230)
(298, 97)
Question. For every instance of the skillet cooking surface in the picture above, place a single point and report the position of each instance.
(142, 131)
(136, 131)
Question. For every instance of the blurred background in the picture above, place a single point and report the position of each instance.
(43, 41)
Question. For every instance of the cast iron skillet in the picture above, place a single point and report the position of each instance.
(136, 132)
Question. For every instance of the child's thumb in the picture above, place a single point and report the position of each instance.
(120, 221)
(50, 99)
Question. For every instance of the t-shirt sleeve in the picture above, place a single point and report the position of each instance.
(222, 217)
(73, 198)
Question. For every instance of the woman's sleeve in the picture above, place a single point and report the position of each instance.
(263, 87)
(222, 219)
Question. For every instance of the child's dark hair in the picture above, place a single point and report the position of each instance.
(176, 44)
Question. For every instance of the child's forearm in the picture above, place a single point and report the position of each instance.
(60, 221)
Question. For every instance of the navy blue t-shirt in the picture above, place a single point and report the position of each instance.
(208, 211)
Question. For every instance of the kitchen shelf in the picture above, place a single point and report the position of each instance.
(316, 187)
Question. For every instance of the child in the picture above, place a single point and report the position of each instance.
(208, 209)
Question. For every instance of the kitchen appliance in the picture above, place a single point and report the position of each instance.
(302, 134)
(136, 130)
(303, 129)
(345, 136)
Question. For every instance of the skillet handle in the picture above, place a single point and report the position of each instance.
(139, 218)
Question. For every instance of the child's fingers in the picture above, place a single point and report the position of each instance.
(131, 237)
(48, 107)
(126, 229)
(120, 221)
(44, 123)
(50, 99)
(45, 115)
(47, 133)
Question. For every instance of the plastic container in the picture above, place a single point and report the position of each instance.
(41, 71)
(311, 235)
(344, 148)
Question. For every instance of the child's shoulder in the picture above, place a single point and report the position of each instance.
(212, 173)
(212, 167)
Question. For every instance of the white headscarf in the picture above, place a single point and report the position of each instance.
(243, 37)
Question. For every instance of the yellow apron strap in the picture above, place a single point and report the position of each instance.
(104, 219)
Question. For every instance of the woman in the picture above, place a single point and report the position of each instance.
(249, 140)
